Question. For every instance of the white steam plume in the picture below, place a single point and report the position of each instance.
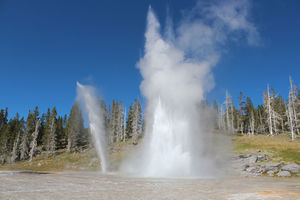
(177, 74)
(88, 98)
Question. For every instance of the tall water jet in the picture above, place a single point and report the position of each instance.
(176, 71)
(87, 96)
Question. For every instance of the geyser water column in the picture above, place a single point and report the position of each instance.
(168, 154)
(173, 87)
(88, 98)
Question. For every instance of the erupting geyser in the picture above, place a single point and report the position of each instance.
(87, 96)
(174, 87)
(176, 69)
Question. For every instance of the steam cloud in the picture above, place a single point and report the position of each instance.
(176, 69)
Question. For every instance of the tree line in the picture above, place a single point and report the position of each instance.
(47, 133)
(273, 117)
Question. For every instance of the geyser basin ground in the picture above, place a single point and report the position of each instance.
(92, 185)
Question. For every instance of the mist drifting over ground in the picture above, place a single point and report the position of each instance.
(86, 95)
(176, 70)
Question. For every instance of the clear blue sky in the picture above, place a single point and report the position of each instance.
(46, 46)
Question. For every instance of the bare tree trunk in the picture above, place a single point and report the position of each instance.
(221, 119)
(52, 142)
(261, 123)
(292, 115)
(242, 128)
(252, 123)
(274, 122)
(291, 119)
(232, 127)
(24, 144)
(293, 90)
(69, 145)
(14, 151)
(124, 125)
(269, 112)
(33, 143)
(282, 126)
(227, 111)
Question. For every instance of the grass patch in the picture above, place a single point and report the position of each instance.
(279, 147)
(290, 156)
(86, 160)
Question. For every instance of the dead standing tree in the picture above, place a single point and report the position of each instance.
(291, 111)
(33, 143)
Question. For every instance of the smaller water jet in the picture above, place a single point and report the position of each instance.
(88, 98)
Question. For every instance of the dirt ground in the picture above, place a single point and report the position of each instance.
(94, 185)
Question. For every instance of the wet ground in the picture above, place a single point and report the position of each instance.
(93, 185)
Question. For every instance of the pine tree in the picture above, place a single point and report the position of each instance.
(61, 136)
(75, 128)
(280, 109)
(143, 127)
(105, 115)
(4, 141)
(136, 121)
(50, 132)
(3, 118)
(249, 117)
(3, 134)
(112, 122)
(118, 122)
(241, 112)
(14, 126)
(121, 122)
(261, 124)
(129, 122)
(217, 110)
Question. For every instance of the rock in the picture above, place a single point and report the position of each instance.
(245, 167)
(291, 167)
(272, 166)
(251, 169)
(256, 169)
(251, 159)
(261, 158)
(244, 155)
(261, 169)
(271, 172)
(284, 173)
